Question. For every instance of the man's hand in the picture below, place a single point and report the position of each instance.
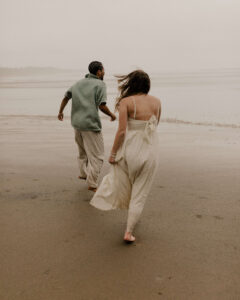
(106, 111)
(60, 116)
(113, 117)
(62, 106)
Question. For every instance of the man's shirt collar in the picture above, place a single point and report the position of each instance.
(89, 75)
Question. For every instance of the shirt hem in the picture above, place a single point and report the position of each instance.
(80, 129)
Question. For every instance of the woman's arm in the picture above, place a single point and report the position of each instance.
(159, 112)
(121, 132)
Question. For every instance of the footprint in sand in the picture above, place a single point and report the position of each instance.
(203, 197)
(159, 278)
(199, 216)
(218, 217)
(46, 272)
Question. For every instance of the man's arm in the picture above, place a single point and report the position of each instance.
(106, 111)
(62, 106)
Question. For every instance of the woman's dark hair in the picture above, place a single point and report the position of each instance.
(136, 82)
(94, 66)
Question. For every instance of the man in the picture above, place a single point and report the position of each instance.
(87, 96)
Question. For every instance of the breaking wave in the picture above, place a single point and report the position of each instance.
(163, 120)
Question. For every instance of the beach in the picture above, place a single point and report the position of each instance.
(54, 245)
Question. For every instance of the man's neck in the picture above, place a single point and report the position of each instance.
(90, 75)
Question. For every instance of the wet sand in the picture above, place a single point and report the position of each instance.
(54, 245)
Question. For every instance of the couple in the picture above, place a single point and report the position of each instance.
(134, 155)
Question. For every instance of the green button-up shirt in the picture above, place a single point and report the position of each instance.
(87, 94)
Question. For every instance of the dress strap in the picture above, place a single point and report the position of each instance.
(135, 107)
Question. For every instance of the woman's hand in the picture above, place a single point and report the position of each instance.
(111, 159)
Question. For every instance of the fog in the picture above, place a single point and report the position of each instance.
(154, 35)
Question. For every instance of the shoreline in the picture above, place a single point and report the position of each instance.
(105, 118)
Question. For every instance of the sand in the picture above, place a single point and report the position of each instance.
(54, 245)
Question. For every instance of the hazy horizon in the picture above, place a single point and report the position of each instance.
(154, 35)
(6, 70)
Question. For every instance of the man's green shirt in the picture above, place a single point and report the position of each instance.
(87, 94)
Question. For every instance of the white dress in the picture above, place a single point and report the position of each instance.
(128, 182)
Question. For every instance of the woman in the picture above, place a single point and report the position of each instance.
(134, 154)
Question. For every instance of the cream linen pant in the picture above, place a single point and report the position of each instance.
(91, 155)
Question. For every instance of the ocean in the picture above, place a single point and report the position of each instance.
(208, 97)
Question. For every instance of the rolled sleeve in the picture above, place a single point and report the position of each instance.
(68, 94)
(101, 96)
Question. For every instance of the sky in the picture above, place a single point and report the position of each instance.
(153, 35)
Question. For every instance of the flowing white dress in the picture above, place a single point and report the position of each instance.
(128, 182)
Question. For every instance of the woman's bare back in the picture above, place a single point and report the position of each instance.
(146, 106)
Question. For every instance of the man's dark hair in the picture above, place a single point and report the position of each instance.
(94, 66)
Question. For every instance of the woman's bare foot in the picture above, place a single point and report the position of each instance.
(92, 189)
(84, 178)
(128, 238)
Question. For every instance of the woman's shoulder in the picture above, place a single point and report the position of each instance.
(155, 99)
(126, 100)
(130, 99)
